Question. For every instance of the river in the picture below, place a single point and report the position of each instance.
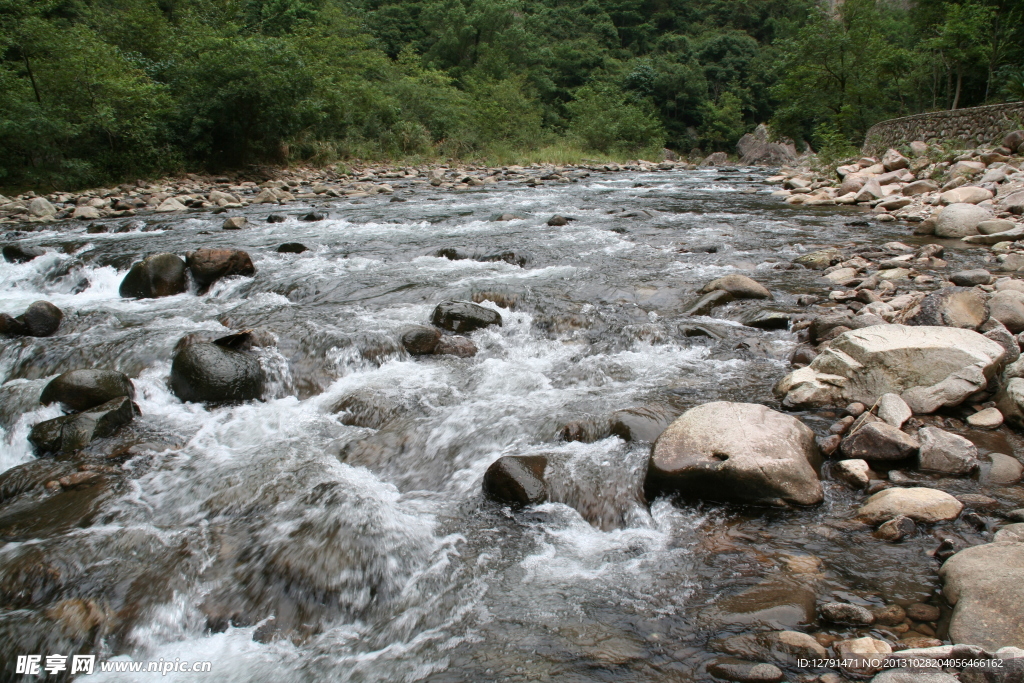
(336, 531)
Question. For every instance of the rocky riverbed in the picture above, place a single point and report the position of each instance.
(647, 423)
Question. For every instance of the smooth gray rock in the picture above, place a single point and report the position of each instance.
(740, 286)
(944, 452)
(920, 504)
(960, 220)
(986, 585)
(464, 316)
(209, 373)
(893, 410)
(739, 452)
(879, 441)
(70, 433)
(1007, 306)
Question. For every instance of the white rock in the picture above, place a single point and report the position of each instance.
(960, 220)
(893, 410)
(861, 365)
(169, 205)
(965, 195)
(855, 472)
(989, 418)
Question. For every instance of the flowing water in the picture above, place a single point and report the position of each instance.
(336, 530)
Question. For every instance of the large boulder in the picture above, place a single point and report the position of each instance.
(757, 149)
(209, 265)
(210, 373)
(986, 585)
(740, 452)
(1007, 306)
(922, 364)
(72, 432)
(154, 276)
(84, 389)
(463, 316)
(517, 480)
(951, 307)
(740, 286)
(960, 220)
(40, 319)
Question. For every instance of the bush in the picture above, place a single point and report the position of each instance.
(604, 121)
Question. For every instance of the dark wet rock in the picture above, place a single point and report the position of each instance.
(463, 316)
(461, 347)
(844, 613)
(155, 276)
(742, 671)
(585, 431)
(73, 432)
(768, 320)
(451, 253)
(896, 529)
(970, 278)
(557, 221)
(246, 340)
(739, 452)
(292, 248)
(879, 441)
(740, 286)
(952, 307)
(517, 480)
(643, 423)
(209, 373)
(15, 253)
(510, 257)
(209, 265)
(276, 218)
(314, 216)
(40, 319)
(828, 444)
(709, 302)
(84, 389)
(986, 585)
(421, 340)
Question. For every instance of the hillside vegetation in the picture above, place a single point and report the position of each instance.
(94, 90)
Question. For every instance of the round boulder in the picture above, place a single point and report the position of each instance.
(463, 316)
(736, 452)
(1007, 306)
(209, 265)
(209, 373)
(421, 340)
(155, 276)
(517, 480)
(84, 389)
(40, 319)
(960, 220)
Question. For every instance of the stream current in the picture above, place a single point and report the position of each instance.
(336, 531)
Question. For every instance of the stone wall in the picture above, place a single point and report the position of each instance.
(975, 126)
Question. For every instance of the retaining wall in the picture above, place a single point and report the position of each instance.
(975, 126)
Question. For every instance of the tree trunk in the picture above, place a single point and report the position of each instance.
(959, 82)
(31, 76)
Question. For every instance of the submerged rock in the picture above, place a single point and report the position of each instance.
(73, 432)
(929, 367)
(739, 452)
(517, 480)
(209, 373)
(985, 583)
(464, 316)
(40, 319)
(155, 276)
(84, 389)
(421, 340)
(292, 248)
(15, 253)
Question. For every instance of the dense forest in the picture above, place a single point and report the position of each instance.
(97, 90)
